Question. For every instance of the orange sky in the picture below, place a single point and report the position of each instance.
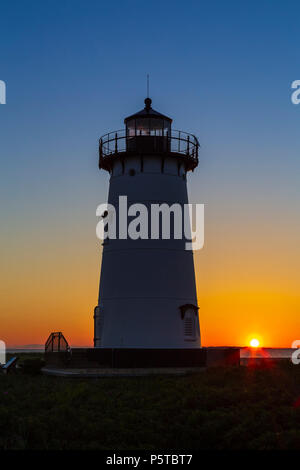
(247, 282)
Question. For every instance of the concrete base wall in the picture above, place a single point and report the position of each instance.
(144, 358)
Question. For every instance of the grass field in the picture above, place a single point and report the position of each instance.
(238, 408)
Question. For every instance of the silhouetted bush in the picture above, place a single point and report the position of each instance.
(32, 366)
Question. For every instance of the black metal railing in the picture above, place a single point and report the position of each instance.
(159, 141)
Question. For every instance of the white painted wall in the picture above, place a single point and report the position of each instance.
(144, 282)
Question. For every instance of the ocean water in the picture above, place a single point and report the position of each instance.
(273, 353)
(16, 350)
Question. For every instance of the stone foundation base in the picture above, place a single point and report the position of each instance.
(91, 358)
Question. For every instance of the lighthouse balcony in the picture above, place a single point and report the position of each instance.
(163, 142)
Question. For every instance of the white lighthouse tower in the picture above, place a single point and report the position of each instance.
(147, 295)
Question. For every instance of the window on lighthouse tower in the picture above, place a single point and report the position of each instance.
(190, 325)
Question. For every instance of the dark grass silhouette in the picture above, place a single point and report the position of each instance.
(222, 408)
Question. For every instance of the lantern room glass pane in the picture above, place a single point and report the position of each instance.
(157, 123)
(143, 126)
(167, 127)
(130, 126)
(156, 126)
(148, 126)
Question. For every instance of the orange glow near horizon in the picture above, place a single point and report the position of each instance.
(50, 281)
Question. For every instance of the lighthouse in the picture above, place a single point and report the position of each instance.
(147, 294)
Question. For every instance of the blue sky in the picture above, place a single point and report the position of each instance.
(221, 70)
(75, 69)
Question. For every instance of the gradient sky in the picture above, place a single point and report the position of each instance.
(223, 71)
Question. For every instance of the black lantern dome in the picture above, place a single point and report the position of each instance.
(148, 122)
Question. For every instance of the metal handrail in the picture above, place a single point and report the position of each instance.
(178, 142)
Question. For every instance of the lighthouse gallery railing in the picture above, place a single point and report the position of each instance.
(177, 142)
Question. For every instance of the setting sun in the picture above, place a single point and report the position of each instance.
(254, 343)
